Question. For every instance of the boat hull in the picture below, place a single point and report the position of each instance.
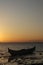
(21, 52)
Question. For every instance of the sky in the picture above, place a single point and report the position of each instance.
(21, 20)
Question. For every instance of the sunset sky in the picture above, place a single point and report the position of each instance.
(21, 20)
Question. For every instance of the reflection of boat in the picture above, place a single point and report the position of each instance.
(21, 52)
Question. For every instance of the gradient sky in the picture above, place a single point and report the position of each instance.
(21, 20)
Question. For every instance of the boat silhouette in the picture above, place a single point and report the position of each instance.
(21, 52)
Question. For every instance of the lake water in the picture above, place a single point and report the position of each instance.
(4, 55)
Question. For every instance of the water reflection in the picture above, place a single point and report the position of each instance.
(25, 60)
(21, 60)
(10, 58)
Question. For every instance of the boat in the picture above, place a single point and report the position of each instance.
(21, 52)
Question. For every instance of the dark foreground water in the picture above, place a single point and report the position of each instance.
(5, 58)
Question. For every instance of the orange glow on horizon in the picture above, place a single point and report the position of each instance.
(19, 38)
